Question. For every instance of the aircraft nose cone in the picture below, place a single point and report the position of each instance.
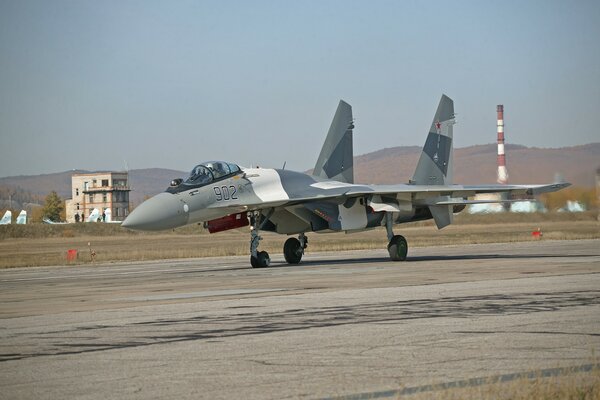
(163, 211)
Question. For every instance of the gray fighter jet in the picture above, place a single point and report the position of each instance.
(224, 196)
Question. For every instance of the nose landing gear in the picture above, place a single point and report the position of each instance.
(258, 259)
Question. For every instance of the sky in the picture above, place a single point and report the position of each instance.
(127, 84)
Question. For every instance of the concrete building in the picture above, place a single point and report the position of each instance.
(99, 190)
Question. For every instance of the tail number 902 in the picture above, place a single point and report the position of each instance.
(225, 193)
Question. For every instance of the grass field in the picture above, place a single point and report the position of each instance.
(41, 244)
(571, 384)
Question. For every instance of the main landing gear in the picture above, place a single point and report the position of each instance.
(293, 249)
(397, 246)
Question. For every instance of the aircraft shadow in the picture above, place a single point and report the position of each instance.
(413, 259)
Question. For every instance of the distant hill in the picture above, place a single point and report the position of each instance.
(473, 164)
(144, 182)
(477, 164)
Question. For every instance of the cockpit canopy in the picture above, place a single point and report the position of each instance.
(203, 174)
(210, 171)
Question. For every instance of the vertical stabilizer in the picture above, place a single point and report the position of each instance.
(94, 216)
(7, 218)
(435, 163)
(336, 158)
(22, 218)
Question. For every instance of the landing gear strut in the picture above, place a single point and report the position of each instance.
(397, 246)
(258, 259)
(293, 249)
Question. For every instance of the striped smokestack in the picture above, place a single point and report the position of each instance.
(502, 172)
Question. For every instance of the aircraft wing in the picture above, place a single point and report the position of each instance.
(439, 199)
(398, 197)
(453, 194)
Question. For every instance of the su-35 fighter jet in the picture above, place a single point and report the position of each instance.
(225, 196)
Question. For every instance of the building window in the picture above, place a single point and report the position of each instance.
(104, 182)
(78, 206)
(104, 197)
(118, 212)
(91, 197)
(76, 191)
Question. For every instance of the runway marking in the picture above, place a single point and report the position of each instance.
(473, 382)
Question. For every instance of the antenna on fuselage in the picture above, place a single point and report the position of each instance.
(284, 165)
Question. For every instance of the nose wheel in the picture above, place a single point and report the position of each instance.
(261, 260)
(258, 259)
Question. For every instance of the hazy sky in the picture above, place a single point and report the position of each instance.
(95, 84)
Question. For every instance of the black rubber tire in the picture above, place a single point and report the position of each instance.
(292, 251)
(398, 248)
(263, 259)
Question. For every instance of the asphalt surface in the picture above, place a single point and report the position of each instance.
(339, 324)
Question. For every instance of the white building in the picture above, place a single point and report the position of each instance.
(99, 190)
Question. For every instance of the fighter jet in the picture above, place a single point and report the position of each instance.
(224, 196)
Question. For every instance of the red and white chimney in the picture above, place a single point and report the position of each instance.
(502, 172)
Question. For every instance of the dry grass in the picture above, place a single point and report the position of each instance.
(37, 245)
(567, 384)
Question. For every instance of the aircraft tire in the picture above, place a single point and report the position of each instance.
(261, 260)
(398, 248)
(292, 251)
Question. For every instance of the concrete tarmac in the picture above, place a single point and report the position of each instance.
(339, 324)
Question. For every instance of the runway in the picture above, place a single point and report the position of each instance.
(340, 324)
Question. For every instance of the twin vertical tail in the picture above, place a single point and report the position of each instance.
(436, 161)
(336, 158)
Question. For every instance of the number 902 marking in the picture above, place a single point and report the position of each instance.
(225, 193)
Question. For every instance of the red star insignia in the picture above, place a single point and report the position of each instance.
(438, 125)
